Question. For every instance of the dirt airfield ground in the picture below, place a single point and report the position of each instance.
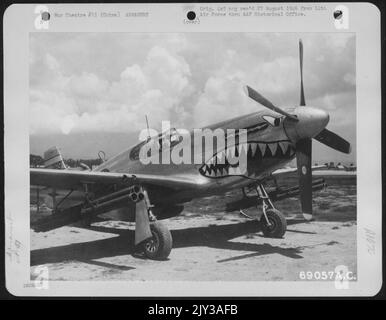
(210, 244)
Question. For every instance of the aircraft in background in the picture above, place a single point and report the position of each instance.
(151, 192)
(339, 167)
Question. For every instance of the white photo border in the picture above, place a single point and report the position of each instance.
(18, 22)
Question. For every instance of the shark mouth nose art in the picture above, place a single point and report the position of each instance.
(220, 164)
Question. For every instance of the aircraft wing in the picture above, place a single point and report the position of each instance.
(70, 179)
(288, 171)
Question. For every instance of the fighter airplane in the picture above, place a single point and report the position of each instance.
(151, 192)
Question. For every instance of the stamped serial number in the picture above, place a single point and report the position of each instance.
(211, 309)
(341, 274)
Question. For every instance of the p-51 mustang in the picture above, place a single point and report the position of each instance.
(151, 192)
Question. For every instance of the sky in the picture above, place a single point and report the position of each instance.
(91, 91)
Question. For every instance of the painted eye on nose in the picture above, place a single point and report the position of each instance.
(275, 122)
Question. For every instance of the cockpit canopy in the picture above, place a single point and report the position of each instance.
(165, 140)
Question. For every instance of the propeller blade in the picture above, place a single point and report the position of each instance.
(302, 99)
(334, 141)
(303, 161)
(254, 95)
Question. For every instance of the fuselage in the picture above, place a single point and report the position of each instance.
(267, 148)
(270, 142)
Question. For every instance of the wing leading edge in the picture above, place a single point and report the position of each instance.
(69, 179)
(288, 171)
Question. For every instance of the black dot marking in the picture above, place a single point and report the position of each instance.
(338, 14)
(191, 15)
(46, 16)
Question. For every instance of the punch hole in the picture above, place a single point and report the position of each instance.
(46, 16)
(338, 14)
(191, 15)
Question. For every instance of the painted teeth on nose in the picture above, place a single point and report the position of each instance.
(230, 154)
(243, 150)
(250, 151)
(223, 163)
(224, 156)
(253, 148)
(284, 147)
(220, 158)
(262, 147)
(273, 148)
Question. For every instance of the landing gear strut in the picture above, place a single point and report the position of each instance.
(273, 222)
(151, 237)
(159, 246)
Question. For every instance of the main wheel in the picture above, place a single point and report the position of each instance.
(277, 224)
(159, 246)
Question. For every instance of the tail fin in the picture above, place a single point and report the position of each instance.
(53, 159)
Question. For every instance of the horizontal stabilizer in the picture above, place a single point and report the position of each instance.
(53, 159)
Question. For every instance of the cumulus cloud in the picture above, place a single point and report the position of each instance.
(108, 82)
(87, 102)
(222, 98)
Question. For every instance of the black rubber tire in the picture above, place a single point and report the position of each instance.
(278, 224)
(160, 245)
